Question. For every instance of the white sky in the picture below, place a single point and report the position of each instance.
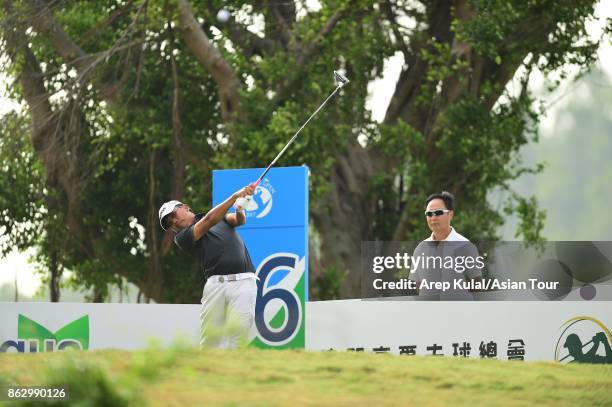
(380, 92)
(17, 264)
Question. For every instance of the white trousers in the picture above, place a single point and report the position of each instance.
(228, 312)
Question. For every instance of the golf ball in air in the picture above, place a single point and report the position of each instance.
(223, 15)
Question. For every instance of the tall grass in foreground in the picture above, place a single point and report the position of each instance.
(184, 376)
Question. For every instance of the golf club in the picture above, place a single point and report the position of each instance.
(341, 80)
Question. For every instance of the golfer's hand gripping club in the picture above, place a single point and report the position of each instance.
(242, 202)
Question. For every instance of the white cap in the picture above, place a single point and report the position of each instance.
(166, 209)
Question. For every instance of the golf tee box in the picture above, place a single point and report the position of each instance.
(276, 235)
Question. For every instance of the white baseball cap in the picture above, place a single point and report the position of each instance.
(166, 209)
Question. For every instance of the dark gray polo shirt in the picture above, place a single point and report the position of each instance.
(220, 251)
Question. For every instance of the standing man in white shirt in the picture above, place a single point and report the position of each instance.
(444, 243)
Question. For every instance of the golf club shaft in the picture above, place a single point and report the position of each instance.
(241, 203)
(295, 136)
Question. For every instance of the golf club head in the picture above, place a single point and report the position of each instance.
(341, 80)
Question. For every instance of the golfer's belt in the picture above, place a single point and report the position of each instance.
(231, 277)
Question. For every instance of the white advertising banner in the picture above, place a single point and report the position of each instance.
(501, 330)
(563, 331)
(36, 326)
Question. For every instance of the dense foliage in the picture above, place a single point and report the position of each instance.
(133, 102)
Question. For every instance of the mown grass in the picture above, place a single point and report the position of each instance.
(184, 376)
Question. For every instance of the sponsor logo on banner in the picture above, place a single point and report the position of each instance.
(584, 339)
(279, 309)
(34, 337)
(262, 201)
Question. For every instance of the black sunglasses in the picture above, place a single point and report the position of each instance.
(437, 212)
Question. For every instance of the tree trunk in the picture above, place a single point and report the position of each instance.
(154, 278)
(56, 274)
(343, 216)
(204, 51)
(16, 288)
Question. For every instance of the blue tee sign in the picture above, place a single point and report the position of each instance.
(276, 235)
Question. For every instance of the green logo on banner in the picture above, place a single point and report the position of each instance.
(584, 339)
(33, 337)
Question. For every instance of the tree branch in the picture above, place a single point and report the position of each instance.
(311, 48)
(211, 59)
(43, 22)
(154, 282)
(387, 8)
(250, 43)
(48, 134)
(305, 58)
(110, 20)
(279, 19)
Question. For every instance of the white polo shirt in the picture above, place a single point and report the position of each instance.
(453, 236)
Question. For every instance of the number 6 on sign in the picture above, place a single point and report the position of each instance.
(278, 275)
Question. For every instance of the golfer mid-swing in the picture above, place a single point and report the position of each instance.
(228, 299)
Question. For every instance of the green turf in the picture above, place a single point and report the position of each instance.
(252, 377)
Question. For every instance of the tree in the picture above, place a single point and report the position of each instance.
(133, 102)
(451, 124)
